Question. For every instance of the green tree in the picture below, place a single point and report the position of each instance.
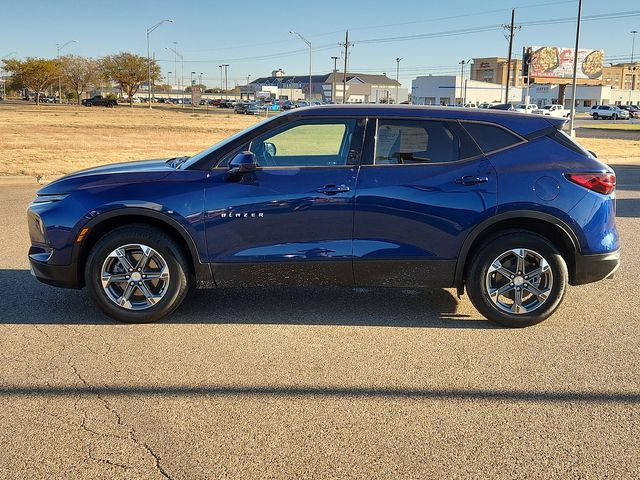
(36, 74)
(129, 71)
(78, 73)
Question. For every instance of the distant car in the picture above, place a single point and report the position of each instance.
(225, 104)
(526, 107)
(611, 112)
(470, 105)
(215, 102)
(501, 106)
(634, 112)
(554, 111)
(252, 109)
(99, 101)
(240, 107)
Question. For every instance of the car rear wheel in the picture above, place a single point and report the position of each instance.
(517, 279)
(137, 274)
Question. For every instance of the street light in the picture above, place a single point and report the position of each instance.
(226, 78)
(575, 72)
(149, 30)
(633, 42)
(333, 81)
(60, 47)
(309, 45)
(176, 54)
(397, 76)
(463, 93)
(248, 77)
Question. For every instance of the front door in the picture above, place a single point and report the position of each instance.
(425, 184)
(290, 221)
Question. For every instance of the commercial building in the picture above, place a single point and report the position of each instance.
(494, 70)
(622, 75)
(360, 88)
(453, 90)
(587, 96)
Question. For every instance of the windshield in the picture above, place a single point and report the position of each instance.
(222, 143)
(547, 107)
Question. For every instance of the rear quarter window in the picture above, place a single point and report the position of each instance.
(491, 137)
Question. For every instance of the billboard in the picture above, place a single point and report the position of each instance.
(557, 62)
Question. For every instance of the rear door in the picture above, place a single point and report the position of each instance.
(424, 184)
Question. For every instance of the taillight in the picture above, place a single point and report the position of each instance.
(604, 183)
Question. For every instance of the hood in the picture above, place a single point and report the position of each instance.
(139, 171)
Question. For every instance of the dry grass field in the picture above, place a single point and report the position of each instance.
(52, 140)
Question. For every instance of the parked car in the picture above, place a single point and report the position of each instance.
(240, 107)
(611, 112)
(501, 106)
(470, 105)
(634, 112)
(525, 107)
(99, 101)
(504, 205)
(554, 111)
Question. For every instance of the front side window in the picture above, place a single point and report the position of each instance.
(307, 143)
(400, 142)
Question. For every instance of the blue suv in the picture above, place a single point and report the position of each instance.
(504, 204)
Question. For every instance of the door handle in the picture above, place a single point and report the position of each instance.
(333, 189)
(471, 180)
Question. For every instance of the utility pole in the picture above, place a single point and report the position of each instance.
(333, 81)
(220, 80)
(397, 77)
(60, 47)
(575, 72)
(633, 68)
(512, 26)
(248, 90)
(463, 81)
(346, 45)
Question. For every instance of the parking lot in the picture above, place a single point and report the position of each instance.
(322, 383)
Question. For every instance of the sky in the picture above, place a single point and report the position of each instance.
(253, 37)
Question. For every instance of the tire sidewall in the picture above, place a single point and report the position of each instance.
(476, 285)
(178, 282)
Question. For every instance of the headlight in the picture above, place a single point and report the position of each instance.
(40, 199)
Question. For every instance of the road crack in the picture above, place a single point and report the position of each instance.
(130, 430)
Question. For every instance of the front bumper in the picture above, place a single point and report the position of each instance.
(63, 276)
(591, 268)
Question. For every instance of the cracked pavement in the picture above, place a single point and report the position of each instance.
(318, 383)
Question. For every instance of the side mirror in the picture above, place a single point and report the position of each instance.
(244, 162)
(270, 148)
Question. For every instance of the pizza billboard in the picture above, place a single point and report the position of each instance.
(557, 62)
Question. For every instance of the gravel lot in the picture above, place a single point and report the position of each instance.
(318, 383)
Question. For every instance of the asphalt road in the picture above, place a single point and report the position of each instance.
(318, 383)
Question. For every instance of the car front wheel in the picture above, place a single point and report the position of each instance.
(595, 116)
(517, 279)
(137, 274)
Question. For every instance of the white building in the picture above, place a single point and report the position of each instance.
(451, 90)
(588, 96)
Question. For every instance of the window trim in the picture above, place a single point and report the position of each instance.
(425, 164)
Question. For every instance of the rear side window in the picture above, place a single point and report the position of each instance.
(491, 137)
(402, 142)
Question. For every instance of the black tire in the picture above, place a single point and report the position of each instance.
(595, 116)
(478, 270)
(176, 261)
(614, 117)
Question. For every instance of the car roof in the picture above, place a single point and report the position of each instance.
(518, 122)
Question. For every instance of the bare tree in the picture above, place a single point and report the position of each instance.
(129, 71)
(78, 73)
(36, 74)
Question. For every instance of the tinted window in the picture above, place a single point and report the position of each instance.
(305, 144)
(420, 141)
(490, 137)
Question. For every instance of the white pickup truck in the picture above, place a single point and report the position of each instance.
(554, 111)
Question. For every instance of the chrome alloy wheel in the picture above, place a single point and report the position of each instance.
(519, 281)
(135, 276)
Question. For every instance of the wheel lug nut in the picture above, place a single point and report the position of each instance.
(511, 284)
(144, 276)
(131, 269)
(139, 283)
(131, 283)
(512, 276)
(139, 269)
(127, 277)
(526, 277)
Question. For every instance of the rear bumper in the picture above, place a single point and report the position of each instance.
(63, 276)
(591, 268)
